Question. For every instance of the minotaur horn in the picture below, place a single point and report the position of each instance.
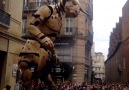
(81, 9)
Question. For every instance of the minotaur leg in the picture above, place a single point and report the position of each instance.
(52, 84)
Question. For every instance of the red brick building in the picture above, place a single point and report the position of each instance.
(125, 41)
(113, 63)
(117, 63)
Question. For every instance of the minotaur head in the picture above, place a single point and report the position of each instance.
(74, 6)
(81, 9)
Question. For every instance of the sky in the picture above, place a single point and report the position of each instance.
(106, 14)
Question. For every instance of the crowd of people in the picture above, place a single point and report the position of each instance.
(7, 87)
(83, 86)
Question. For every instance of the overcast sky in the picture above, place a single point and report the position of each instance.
(106, 14)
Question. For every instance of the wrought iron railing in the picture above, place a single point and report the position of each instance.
(90, 37)
(4, 18)
(68, 31)
(33, 5)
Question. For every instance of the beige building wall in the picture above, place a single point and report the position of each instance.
(10, 41)
(98, 66)
(79, 60)
(15, 10)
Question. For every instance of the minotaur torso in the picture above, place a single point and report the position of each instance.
(52, 25)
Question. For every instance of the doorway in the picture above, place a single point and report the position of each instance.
(2, 60)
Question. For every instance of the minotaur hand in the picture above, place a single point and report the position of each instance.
(47, 43)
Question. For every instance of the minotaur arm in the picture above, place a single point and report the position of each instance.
(38, 18)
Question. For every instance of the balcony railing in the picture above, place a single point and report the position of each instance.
(90, 37)
(33, 5)
(68, 31)
(4, 18)
(87, 62)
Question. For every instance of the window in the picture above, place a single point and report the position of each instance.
(64, 53)
(25, 2)
(69, 26)
(52, 2)
(38, 3)
(2, 4)
(87, 52)
(24, 25)
(96, 69)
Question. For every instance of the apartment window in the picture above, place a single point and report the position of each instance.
(2, 4)
(25, 2)
(99, 68)
(87, 52)
(96, 69)
(98, 75)
(38, 3)
(69, 26)
(52, 2)
(93, 69)
(124, 67)
(64, 50)
(64, 53)
(24, 26)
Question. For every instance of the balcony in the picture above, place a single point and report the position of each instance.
(70, 14)
(68, 32)
(33, 5)
(4, 19)
(87, 63)
(90, 37)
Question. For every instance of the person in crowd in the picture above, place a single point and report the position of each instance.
(7, 87)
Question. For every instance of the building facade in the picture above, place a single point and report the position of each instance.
(73, 45)
(125, 42)
(114, 61)
(98, 67)
(10, 39)
(117, 62)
